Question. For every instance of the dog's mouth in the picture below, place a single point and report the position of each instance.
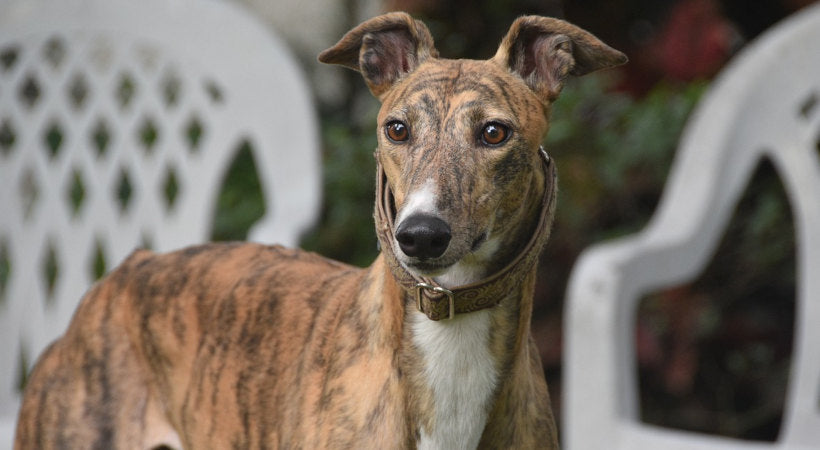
(425, 268)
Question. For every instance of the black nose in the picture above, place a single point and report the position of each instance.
(423, 236)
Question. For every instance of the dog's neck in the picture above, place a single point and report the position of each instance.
(456, 369)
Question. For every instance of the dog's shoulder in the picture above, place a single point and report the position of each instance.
(209, 276)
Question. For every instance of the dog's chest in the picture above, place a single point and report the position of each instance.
(461, 373)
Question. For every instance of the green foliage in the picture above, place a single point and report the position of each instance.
(346, 230)
(614, 152)
(240, 203)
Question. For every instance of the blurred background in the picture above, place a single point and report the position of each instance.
(713, 355)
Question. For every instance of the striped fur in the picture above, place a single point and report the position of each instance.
(245, 346)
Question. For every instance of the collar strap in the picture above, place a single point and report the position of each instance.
(438, 302)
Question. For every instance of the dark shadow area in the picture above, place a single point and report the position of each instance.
(713, 355)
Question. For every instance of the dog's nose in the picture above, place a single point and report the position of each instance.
(423, 236)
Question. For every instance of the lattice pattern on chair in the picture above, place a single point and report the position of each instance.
(90, 132)
(114, 135)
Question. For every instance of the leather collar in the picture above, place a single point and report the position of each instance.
(438, 302)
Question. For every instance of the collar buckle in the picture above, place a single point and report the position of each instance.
(420, 287)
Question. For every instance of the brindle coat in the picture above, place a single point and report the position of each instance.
(249, 346)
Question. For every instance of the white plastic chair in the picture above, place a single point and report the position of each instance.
(765, 104)
(118, 121)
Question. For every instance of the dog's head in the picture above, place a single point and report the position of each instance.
(459, 139)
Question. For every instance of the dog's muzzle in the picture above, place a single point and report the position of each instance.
(432, 299)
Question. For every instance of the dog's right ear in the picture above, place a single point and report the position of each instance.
(384, 49)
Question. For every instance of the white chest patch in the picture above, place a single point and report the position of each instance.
(462, 375)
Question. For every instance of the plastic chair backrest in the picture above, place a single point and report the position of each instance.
(118, 122)
(765, 104)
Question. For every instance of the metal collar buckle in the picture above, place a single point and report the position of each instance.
(450, 297)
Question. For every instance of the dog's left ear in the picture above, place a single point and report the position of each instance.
(543, 51)
(384, 49)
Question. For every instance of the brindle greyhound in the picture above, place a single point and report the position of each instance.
(249, 346)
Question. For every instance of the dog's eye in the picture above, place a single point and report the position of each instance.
(494, 133)
(397, 131)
